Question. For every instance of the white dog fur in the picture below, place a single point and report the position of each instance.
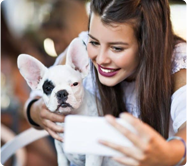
(63, 92)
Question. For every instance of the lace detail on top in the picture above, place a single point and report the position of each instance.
(179, 58)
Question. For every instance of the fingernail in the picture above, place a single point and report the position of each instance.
(101, 141)
(122, 115)
(114, 158)
(109, 118)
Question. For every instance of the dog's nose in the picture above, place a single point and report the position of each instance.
(62, 95)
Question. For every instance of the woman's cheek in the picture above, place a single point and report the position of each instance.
(92, 52)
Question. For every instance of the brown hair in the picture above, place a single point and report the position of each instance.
(152, 26)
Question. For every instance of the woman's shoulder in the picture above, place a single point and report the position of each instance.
(179, 57)
(180, 50)
(179, 79)
(179, 65)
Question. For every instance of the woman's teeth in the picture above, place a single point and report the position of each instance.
(107, 71)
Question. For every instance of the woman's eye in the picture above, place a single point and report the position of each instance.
(117, 49)
(94, 43)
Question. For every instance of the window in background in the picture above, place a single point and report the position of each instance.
(179, 17)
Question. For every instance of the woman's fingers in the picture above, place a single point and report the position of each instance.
(46, 114)
(126, 160)
(53, 126)
(134, 138)
(48, 119)
(54, 135)
(136, 123)
(131, 152)
(145, 132)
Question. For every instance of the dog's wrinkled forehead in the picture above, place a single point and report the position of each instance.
(63, 74)
(60, 77)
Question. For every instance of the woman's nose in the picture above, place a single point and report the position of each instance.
(102, 57)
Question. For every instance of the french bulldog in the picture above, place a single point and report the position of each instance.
(63, 92)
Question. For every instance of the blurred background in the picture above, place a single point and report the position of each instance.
(43, 29)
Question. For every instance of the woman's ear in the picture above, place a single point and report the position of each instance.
(31, 69)
(77, 57)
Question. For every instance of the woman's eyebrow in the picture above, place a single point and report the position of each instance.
(118, 43)
(92, 37)
(111, 43)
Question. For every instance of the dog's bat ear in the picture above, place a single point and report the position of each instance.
(77, 57)
(31, 69)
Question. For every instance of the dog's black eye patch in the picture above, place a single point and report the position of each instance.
(48, 87)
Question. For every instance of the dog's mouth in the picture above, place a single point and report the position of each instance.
(63, 105)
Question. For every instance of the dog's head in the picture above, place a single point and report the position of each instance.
(62, 84)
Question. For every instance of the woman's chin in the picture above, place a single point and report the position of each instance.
(108, 81)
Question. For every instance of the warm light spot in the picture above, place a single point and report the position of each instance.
(5, 101)
(49, 47)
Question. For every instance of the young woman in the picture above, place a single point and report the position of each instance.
(140, 70)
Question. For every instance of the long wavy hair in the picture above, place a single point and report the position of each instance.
(151, 22)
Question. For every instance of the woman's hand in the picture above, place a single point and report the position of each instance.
(150, 148)
(46, 119)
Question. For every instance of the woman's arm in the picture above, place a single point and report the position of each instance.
(177, 146)
(179, 79)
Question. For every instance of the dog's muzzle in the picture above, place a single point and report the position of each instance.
(63, 105)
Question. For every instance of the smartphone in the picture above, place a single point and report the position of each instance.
(82, 135)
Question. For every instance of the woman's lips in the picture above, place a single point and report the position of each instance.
(107, 72)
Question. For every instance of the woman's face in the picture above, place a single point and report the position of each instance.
(113, 50)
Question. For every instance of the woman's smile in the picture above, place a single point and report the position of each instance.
(107, 72)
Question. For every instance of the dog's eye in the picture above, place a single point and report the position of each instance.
(75, 84)
(48, 87)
